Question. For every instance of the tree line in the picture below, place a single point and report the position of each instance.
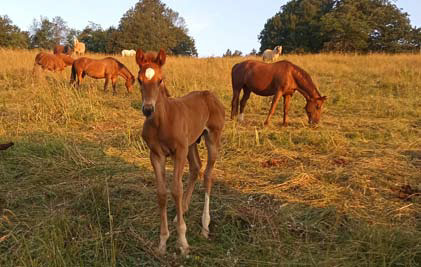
(313, 26)
(150, 24)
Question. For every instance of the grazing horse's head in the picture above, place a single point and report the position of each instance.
(130, 83)
(314, 109)
(150, 78)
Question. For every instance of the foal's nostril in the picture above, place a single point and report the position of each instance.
(148, 110)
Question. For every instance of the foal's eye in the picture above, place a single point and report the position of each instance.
(160, 82)
(140, 81)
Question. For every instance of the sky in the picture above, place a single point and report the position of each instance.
(215, 25)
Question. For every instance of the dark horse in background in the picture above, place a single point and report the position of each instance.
(281, 78)
(62, 49)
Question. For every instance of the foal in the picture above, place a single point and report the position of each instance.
(173, 127)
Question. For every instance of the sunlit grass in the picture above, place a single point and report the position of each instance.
(78, 188)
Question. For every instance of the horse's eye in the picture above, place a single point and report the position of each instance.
(140, 81)
(160, 82)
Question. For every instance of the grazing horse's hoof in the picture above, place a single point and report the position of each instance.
(241, 117)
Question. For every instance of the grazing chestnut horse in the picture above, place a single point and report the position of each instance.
(281, 78)
(52, 62)
(63, 49)
(173, 127)
(108, 68)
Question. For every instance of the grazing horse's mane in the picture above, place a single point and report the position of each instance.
(306, 82)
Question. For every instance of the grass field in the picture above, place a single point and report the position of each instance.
(77, 189)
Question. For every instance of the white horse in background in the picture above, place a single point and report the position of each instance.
(128, 53)
(272, 55)
(78, 47)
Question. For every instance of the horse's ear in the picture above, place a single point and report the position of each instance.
(323, 98)
(160, 58)
(140, 56)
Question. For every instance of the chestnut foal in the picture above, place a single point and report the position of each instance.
(173, 127)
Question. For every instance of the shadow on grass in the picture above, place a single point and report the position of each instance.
(65, 202)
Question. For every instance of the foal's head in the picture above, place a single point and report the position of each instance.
(314, 109)
(150, 78)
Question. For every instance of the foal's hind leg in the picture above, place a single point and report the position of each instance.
(243, 102)
(194, 167)
(212, 140)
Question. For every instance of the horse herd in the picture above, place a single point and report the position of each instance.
(174, 126)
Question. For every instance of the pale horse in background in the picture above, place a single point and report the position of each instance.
(272, 55)
(128, 53)
(78, 47)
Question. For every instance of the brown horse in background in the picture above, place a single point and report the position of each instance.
(281, 78)
(51, 62)
(173, 127)
(63, 49)
(108, 68)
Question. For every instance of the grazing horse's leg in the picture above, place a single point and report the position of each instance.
(212, 143)
(158, 163)
(177, 193)
(243, 102)
(114, 82)
(107, 79)
(275, 100)
(234, 102)
(287, 99)
(195, 165)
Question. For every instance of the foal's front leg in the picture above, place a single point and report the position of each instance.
(158, 163)
(177, 192)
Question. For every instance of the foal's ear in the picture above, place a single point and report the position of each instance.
(160, 58)
(140, 56)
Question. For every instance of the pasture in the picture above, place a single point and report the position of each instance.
(78, 189)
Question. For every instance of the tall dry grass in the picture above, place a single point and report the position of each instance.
(78, 189)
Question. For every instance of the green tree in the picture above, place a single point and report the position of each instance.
(296, 27)
(11, 35)
(46, 34)
(94, 37)
(339, 25)
(151, 25)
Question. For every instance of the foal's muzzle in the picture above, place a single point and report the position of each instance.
(148, 110)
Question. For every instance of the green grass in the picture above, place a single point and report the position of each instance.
(77, 189)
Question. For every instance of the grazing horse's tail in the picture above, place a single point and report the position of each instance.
(73, 75)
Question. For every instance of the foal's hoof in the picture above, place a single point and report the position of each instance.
(205, 233)
(161, 250)
(184, 250)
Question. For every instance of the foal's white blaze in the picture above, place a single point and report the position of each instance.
(149, 73)
(206, 217)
